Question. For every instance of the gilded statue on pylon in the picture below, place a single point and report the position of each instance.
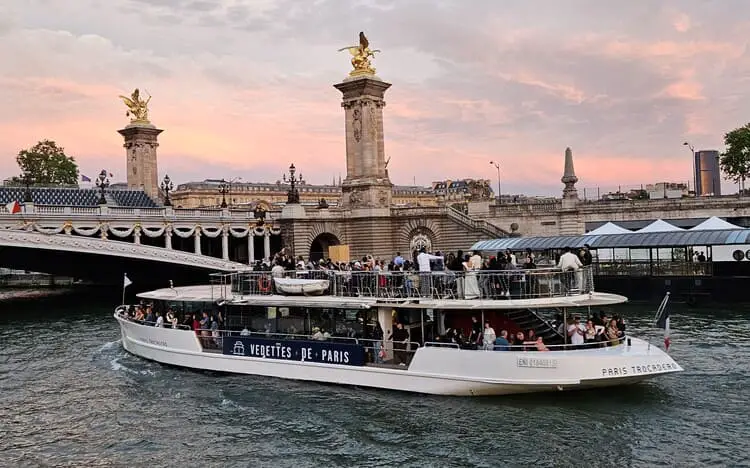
(137, 107)
(361, 57)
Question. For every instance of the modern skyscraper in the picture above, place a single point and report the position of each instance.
(707, 173)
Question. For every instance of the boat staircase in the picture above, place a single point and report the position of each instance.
(529, 319)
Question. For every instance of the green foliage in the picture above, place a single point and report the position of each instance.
(46, 164)
(735, 161)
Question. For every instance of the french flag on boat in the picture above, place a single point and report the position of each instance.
(662, 320)
(13, 207)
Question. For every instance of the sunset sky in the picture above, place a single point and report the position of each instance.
(244, 87)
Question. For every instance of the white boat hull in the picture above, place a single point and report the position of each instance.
(438, 371)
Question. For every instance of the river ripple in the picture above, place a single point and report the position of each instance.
(71, 396)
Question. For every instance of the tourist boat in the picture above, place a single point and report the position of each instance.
(330, 337)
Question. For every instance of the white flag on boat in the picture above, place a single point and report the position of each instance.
(126, 281)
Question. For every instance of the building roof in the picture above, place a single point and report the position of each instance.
(75, 196)
(713, 223)
(632, 240)
(609, 228)
(660, 226)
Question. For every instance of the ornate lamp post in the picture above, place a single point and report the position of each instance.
(497, 166)
(166, 187)
(695, 172)
(102, 182)
(224, 190)
(27, 181)
(293, 194)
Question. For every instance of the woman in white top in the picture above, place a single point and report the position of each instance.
(471, 285)
(488, 337)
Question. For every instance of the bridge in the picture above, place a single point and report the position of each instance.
(105, 261)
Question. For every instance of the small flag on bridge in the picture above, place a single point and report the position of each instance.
(13, 207)
(85, 178)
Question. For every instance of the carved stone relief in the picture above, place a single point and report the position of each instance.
(357, 124)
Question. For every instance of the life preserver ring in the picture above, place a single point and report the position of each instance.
(264, 283)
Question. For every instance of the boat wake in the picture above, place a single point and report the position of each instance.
(120, 360)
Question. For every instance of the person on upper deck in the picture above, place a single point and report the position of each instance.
(569, 261)
(457, 263)
(423, 260)
(586, 258)
(475, 260)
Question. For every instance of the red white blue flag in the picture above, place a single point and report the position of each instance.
(13, 207)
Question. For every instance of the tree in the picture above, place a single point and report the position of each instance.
(735, 161)
(46, 164)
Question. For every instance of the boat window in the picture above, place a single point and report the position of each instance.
(338, 322)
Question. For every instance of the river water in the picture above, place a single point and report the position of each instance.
(71, 396)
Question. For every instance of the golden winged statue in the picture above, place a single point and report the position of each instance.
(137, 107)
(361, 57)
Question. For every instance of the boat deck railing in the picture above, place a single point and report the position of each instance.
(480, 284)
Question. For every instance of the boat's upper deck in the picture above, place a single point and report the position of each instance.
(505, 289)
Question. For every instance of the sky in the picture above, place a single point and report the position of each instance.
(243, 88)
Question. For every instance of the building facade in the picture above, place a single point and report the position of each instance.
(206, 194)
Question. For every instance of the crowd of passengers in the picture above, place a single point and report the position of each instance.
(205, 325)
(507, 264)
(599, 330)
(423, 261)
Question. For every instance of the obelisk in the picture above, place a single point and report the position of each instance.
(367, 184)
(140, 146)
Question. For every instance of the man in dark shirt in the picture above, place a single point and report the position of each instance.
(400, 340)
(586, 258)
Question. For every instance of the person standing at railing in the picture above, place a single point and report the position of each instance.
(586, 260)
(471, 285)
(425, 276)
(570, 265)
(398, 260)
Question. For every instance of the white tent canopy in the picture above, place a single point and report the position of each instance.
(608, 228)
(713, 223)
(660, 226)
